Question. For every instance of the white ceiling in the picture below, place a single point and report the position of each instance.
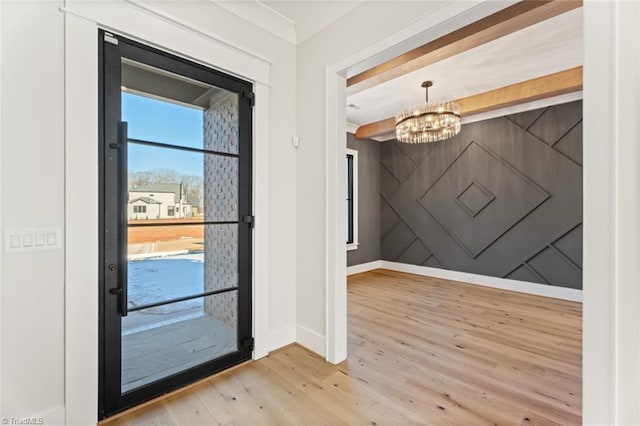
(291, 20)
(550, 46)
(309, 16)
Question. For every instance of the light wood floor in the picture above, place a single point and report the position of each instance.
(421, 351)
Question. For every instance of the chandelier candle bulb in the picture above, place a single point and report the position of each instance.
(430, 122)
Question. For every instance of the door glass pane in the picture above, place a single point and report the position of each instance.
(166, 184)
(155, 120)
(164, 107)
(168, 262)
(164, 340)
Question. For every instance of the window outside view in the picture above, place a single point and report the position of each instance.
(180, 189)
(165, 187)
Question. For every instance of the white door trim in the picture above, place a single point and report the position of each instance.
(611, 314)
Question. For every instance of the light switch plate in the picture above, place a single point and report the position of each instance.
(32, 239)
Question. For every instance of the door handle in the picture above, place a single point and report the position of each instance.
(123, 192)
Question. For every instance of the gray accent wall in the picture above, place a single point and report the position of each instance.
(503, 198)
(368, 201)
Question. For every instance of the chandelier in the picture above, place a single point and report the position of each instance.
(429, 122)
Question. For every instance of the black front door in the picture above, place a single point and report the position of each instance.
(176, 222)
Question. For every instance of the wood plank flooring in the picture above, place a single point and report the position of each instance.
(421, 351)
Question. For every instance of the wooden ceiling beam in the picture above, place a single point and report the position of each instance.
(559, 83)
(375, 129)
(492, 27)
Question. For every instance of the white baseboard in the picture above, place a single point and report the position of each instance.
(311, 340)
(486, 281)
(282, 336)
(363, 267)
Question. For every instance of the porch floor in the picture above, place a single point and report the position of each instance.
(158, 352)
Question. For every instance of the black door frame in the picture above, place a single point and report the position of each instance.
(113, 219)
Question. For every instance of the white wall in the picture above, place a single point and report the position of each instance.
(354, 31)
(32, 310)
(32, 379)
(1, 168)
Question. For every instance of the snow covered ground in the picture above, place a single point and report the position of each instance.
(158, 279)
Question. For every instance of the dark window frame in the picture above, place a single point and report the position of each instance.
(350, 199)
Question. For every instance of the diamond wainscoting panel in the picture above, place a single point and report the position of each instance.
(512, 196)
(503, 198)
(474, 198)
